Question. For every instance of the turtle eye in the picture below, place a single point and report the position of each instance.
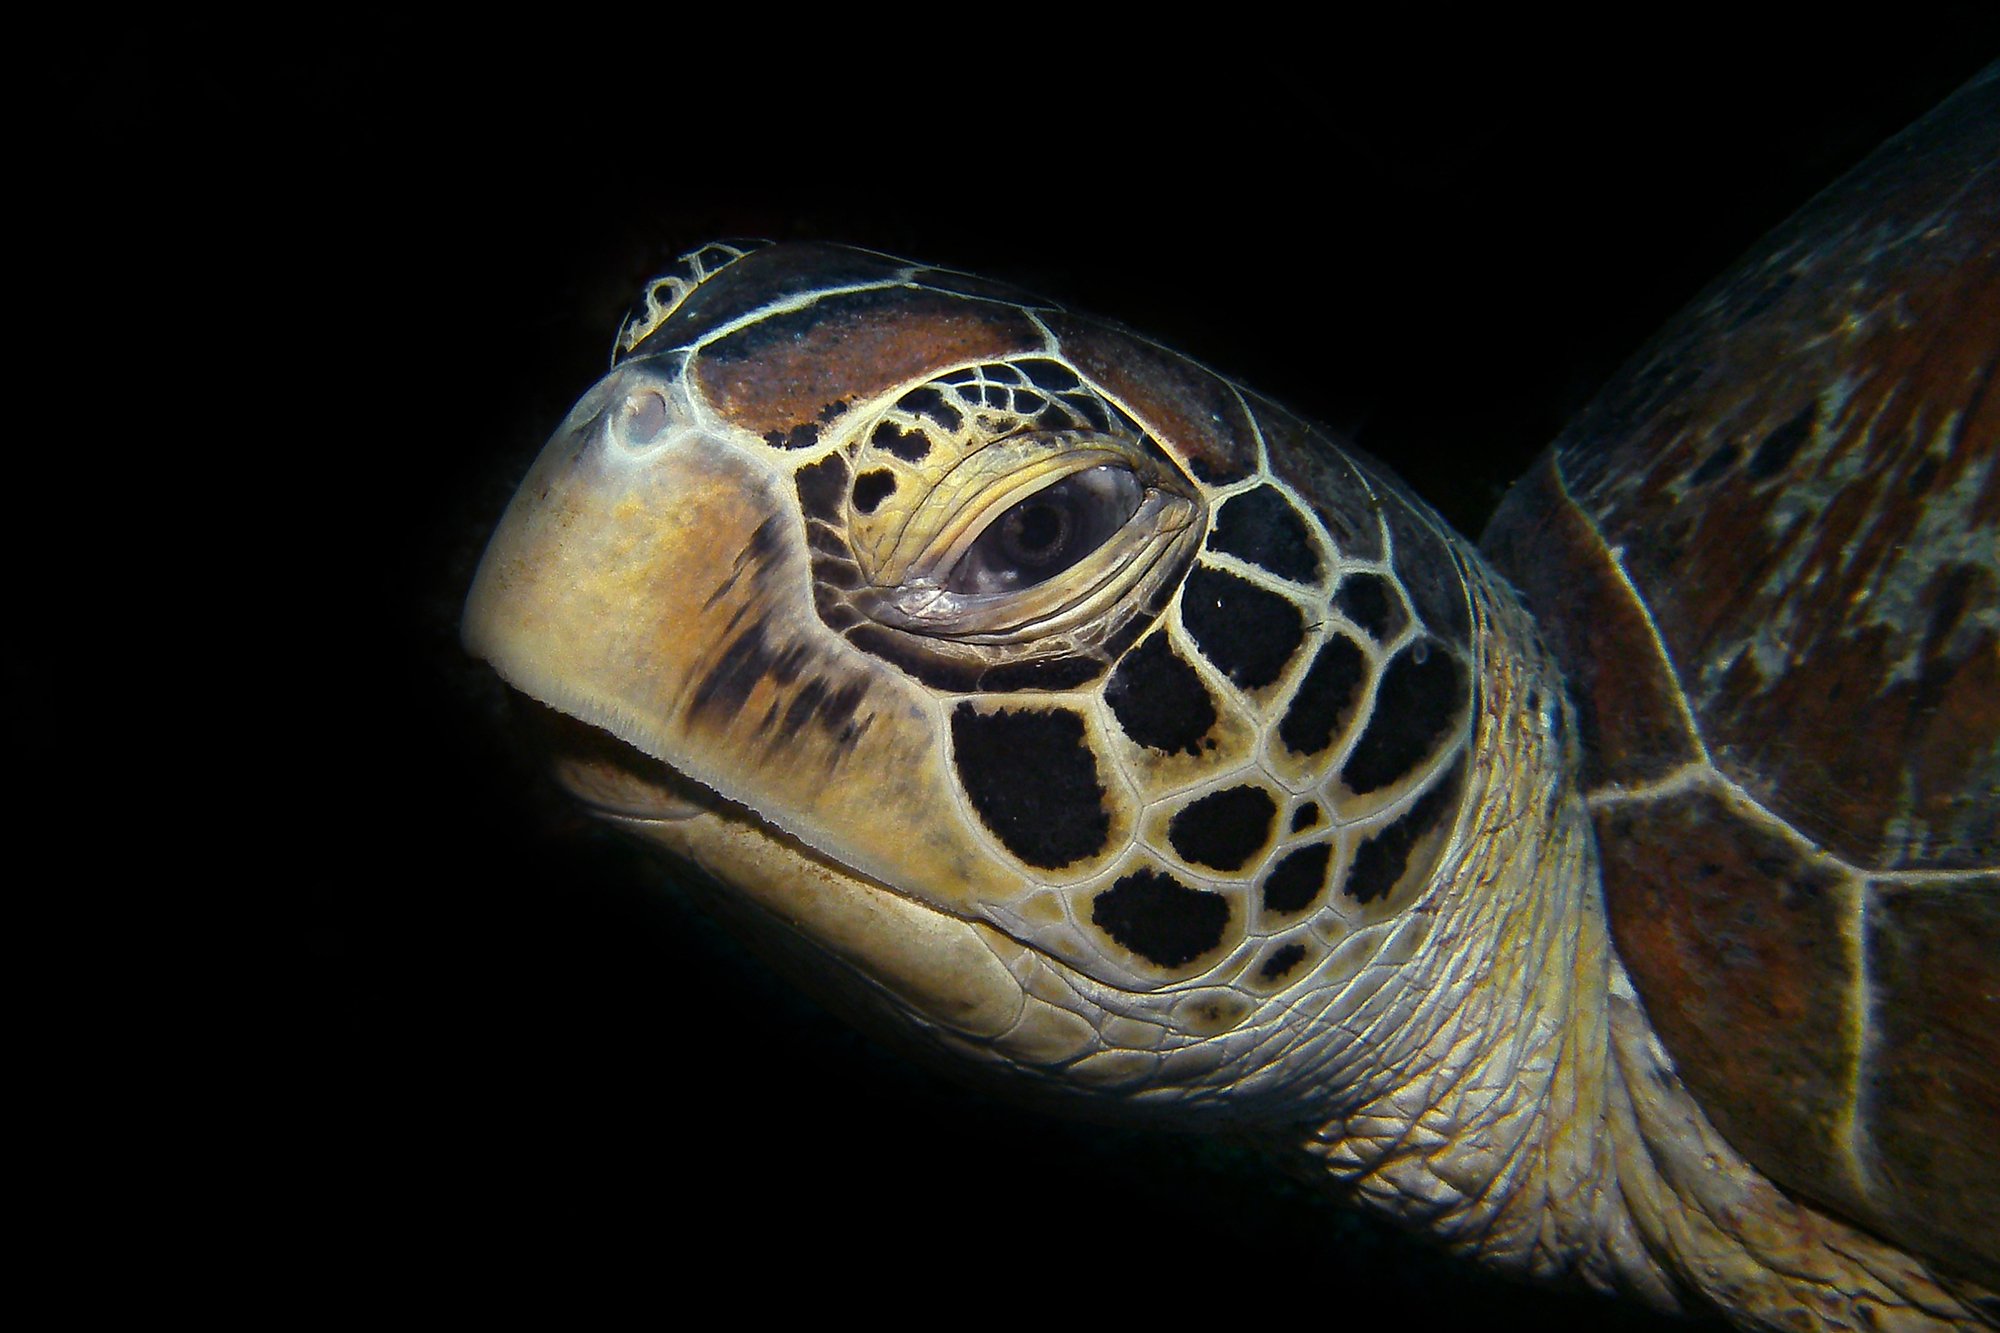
(1048, 532)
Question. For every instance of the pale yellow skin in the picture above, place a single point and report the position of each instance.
(1475, 1062)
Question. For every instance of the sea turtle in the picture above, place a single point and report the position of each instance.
(1616, 901)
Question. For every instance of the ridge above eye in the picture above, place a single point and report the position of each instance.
(1046, 533)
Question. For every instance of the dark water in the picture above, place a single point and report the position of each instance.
(502, 1059)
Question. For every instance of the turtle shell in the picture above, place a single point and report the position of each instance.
(1769, 558)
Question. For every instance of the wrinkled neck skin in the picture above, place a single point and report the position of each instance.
(1507, 1093)
(1487, 1076)
(1479, 1069)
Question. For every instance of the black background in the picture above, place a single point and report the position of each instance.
(308, 302)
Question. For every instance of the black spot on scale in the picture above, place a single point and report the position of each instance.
(1158, 699)
(1087, 406)
(912, 446)
(1431, 577)
(928, 402)
(1033, 779)
(822, 487)
(802, 436)
(1305, 816)
(1294, 883)
(1052, 417)
(1224, 829)
(1325, 698)
(824, 540)
(1366, 600)
(1282, 960)
(1780, 446)
(1161, 919)
(1248, 632)
(872, 488)
(1049, 376)
(1262, 527)
(1380, 862)
(1419, 698)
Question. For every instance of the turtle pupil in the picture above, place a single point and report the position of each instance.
(1034, 533)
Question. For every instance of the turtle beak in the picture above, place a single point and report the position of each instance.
(592, 596)
(651, 579)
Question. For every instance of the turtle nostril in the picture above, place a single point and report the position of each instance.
(642, 419)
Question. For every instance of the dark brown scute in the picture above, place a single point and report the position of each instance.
(1801, 478)
(1808, 499)
(1382, 861)
(1281, 961)
(782, 372)
(1735, 943)
(1628, 709)
(1197, 414)
(1931, 962)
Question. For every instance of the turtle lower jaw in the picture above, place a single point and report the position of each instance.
(884, 958)
(609, 777)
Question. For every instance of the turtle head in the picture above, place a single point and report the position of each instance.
(1026, 688)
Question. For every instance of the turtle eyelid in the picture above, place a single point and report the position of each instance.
(1047, 532)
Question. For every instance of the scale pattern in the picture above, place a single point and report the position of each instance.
(1225, 782)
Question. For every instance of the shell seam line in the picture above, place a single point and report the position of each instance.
(1616, 555)
(1849, 1131)
(1693, 776)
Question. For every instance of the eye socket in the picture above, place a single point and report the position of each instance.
(1041, 536)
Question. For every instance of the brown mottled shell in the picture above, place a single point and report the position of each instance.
(1769, 556)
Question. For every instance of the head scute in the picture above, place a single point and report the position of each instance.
(665, 294)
